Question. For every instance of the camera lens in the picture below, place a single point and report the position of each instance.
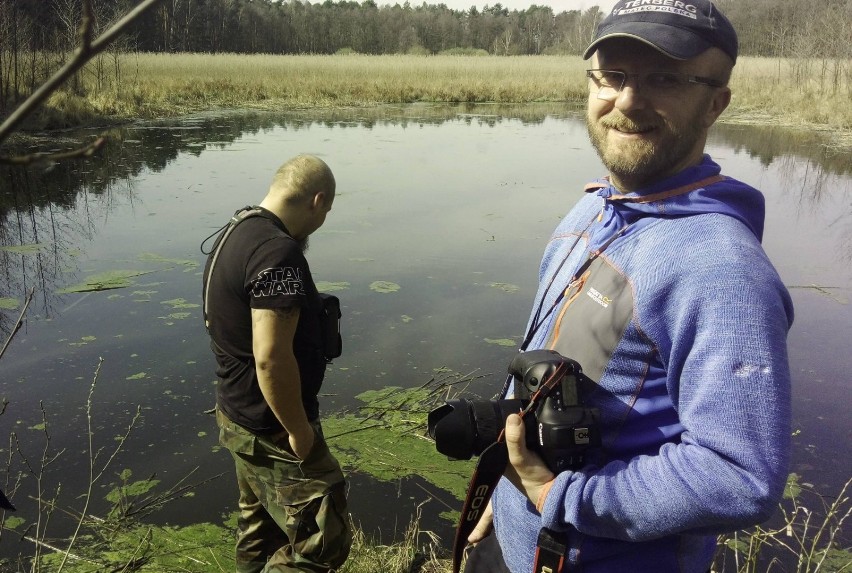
(463, 428)
(452, 428)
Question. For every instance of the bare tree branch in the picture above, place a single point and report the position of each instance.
(18, 324)
(86, 51)
(79, 153)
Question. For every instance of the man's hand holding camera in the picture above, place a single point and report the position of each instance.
(526, 470)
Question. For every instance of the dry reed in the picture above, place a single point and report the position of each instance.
(790, 92)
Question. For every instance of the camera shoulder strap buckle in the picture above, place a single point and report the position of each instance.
(550, 552)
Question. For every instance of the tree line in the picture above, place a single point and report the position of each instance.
(36, 36)
(296, 27)
(766, 27)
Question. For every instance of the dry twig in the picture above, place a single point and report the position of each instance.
(17, 326)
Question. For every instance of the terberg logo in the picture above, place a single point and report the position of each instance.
(673, 6)
(272, 282)
(596, 296)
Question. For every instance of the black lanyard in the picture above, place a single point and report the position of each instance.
(538, 320)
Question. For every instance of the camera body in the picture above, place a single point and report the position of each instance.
(559, 427)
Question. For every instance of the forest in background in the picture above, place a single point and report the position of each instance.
(37, 36)
(779, 28)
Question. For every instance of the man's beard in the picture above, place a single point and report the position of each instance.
(641, 162)
(303, 244)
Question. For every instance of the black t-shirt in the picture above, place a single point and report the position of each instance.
(260, 266)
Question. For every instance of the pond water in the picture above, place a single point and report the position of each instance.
(452, 204)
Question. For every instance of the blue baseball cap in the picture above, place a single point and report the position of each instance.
(680, 29)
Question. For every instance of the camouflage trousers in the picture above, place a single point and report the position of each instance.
(293, 514)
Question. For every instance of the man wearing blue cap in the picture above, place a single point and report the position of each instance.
(657, 284)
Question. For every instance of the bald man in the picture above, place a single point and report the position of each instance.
(263, 313)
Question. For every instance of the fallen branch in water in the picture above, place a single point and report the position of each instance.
(17, 326)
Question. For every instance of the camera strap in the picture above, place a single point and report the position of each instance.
(489, 469)
(550, 551)
(538, 319)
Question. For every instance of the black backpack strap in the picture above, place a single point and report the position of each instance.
(239, 216)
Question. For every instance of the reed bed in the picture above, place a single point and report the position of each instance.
(166, 84)
(354, 79)
(798, 92)
(810, 93)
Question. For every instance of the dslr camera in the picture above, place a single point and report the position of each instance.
(558, 426)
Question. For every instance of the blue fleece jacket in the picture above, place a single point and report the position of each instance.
(693, 387)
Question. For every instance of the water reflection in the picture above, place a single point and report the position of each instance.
(814, 171)
(767, 144)
(44, 217)
(452, 203)
(45, 212)
(153, 146)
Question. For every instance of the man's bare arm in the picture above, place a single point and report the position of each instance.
(278, 373)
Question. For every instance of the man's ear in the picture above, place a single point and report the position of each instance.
(319, 200)
(718, 103)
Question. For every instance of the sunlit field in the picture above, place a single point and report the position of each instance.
(793, 91)
(790, 92)
(165, 84)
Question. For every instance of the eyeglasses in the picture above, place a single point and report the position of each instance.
(610, 82)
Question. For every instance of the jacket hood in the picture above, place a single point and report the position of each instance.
(696, 190)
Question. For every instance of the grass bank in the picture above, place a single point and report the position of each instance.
(798, 93)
